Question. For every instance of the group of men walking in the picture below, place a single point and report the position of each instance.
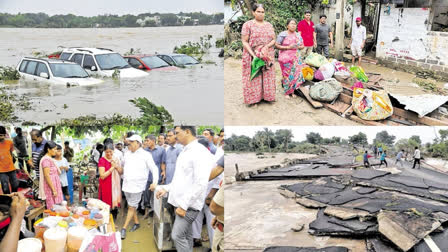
(382, 154)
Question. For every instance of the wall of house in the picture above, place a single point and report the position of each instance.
(405, 38)
(330, 12)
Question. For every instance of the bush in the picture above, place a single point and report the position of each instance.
(8, 73)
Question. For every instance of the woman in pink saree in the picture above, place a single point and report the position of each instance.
(288, 42)
(258, 39)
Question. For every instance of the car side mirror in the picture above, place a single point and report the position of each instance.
(44, 75)
(93, 68)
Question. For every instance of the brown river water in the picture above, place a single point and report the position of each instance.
(192, 95)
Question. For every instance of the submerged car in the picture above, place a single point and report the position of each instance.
(101, 61)
(148, 62)
(54, 71)
(178, 59)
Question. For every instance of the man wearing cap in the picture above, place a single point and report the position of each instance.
(188, 189)
(357, 41)
(138, 164)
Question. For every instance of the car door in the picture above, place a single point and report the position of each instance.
(77, 58)
(169, 60)
(88, 63)
(29, 71)
(135, 63)
(42, 68)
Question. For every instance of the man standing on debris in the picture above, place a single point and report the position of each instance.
(383, 159)
(366, 159)
(417, 158)
(375, 151)
(322, 31)
(380, 151)
(399, 157)
(306, 30)
(357, 41)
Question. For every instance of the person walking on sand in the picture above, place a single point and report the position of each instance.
(417, 158)
(306, 30)
(321, 34)
(288, 42)
(258, 37)
(357, 41)
(399, 157)
(383, 159)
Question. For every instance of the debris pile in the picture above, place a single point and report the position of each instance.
(393, 210)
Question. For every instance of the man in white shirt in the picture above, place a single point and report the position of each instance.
(357, 41)
(188, 188)
(138, 164)
(417, 158)
(212, 188)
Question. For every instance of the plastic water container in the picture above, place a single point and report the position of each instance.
(75, 237)
(29, 245)
(55, 239)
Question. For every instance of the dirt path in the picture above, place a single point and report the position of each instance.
(296, 111)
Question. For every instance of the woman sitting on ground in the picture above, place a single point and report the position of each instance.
(109, 189)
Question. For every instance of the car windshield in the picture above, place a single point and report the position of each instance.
(154, 62)
(67, 70)
(111, 61)
(185, 60)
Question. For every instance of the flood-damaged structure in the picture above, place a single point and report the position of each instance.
(390, 209)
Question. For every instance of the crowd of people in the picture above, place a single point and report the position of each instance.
(178, 164)
(379, 152)
(294, 45)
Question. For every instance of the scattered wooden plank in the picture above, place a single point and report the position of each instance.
(366, 122)
(306, 93)
(338, 107)
(412, 116)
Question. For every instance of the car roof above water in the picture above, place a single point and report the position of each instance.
(50, 61)
(88, 50)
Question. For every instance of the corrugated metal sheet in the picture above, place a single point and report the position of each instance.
(421, 104)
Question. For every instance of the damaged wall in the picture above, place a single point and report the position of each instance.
(405, 37)
(330, 12)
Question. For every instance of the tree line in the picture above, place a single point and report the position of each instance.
(281, 140)
(42, 20)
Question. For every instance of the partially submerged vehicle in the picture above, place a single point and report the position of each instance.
(148, 62)
(54, 71)
(101, 61)
(176, 59)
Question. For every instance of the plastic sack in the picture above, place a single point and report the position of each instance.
(326, 90)
(371, 105)
(359, 73)
(100, 242)
(326, 71)
(308, 73)
(256, 66)
(357, 85)
(316, 60)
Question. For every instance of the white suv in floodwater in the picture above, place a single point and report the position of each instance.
(54, 71)
(101, 62)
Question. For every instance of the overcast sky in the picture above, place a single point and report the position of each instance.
(120, 7)
(427, 134)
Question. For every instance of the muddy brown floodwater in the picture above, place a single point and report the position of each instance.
(297, 111)
(191, 95)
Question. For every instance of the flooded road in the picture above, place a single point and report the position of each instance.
(189, 94)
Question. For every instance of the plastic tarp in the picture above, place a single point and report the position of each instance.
(421, 104)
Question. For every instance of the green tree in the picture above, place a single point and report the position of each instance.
(384, 137)
(284, 137)
(359, 138)
(313, 138)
